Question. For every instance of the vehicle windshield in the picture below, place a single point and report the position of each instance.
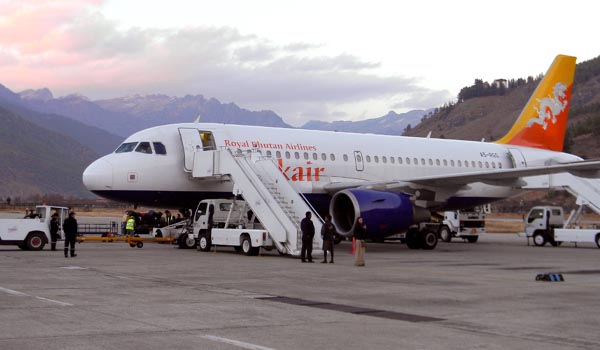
(144, 147)
(126, 147)
(535, 214)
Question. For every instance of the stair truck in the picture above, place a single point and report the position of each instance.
(546, 224)
(32, 233)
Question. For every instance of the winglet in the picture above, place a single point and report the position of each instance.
(543, 121)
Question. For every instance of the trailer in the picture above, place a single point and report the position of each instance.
(33, 232)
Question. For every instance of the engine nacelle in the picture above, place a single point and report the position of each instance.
(385, 213)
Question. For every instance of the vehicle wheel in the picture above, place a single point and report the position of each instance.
(412, 239)
(539, 239)
(132, 245)
(139, 244)
(445, 234)
(472, 239)
(204, 243)
(247, 246)
(35, 241)
(189, 241)
(428, 240)
(598, 240)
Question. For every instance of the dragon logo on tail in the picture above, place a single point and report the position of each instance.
(550, 107)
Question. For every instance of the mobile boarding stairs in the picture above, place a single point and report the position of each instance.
(278, 206)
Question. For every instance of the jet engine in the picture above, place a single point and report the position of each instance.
(385, 213)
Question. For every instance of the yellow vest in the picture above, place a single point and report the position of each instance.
(130, 224)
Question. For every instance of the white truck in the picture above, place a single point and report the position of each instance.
(233, 225)
(546, 224)
(465, 224)
(32, 233)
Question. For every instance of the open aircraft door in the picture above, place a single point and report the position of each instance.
(517, 158)
(358, 159)
(191, 141)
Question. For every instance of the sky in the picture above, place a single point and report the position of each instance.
(305, 60)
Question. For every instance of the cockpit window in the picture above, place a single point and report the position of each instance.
(126, 147)
(144, 147)
(159, 148)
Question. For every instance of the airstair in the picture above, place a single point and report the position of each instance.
(278, 206)
(586, 190)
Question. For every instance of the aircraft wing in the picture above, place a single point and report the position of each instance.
(505, 177)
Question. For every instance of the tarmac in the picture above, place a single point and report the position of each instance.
(458, 296)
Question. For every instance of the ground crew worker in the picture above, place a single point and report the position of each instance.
(70, 229)
(130, 226)
(328, 234)
(360, 233)
(54, 227)
(308, 232)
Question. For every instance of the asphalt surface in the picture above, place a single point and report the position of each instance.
(458, 296)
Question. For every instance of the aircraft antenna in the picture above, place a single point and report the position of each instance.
(197, 120)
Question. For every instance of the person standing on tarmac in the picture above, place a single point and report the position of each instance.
(308, 232)
(70, 229)
(328, 234)
(54, 227)
(360, 233)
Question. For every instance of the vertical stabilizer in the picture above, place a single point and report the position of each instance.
(543, 121)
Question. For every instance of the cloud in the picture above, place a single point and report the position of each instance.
(71, 47)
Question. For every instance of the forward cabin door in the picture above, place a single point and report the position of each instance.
(517, 158)
(192, 142)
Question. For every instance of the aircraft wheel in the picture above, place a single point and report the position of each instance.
(445, 234)
(539, 239)
(472, 239)
(428, 240)
(35, 241)
(204, 243)
(412, 239)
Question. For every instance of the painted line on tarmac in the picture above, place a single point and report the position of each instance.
(13, 292)
(237, 343)
(21, 294)
(55, 301)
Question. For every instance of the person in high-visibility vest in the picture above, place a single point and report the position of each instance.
(130, 226)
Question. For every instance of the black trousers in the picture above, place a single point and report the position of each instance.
(70, 241)
(306, 249)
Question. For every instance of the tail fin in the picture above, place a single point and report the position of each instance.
(543, 121)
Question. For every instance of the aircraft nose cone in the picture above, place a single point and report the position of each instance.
(98, 176)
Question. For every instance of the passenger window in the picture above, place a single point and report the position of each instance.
(472, 164)
(499, 165)
(315, 156)
(144, 147)
(332, 156)
(269, 154)
(345, 157)
(287, 155)
(323, 156)
(376, 159)
(407, 160)
(392, 160)
(437, 162)
(452, 162)
(297, 155)
(416, 161)
(430, 162)
(126, 147)
(384, 159)
(487, 165)
(159, 148)
(278, 154)
(399, 160)
(479, 164)
(466, 163)
(305, 156)
(368, 159)
(422, 161)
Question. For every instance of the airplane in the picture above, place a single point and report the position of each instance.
(393, 182)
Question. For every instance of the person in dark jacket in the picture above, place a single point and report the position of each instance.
(328, 234)
(360, 233)
(70, 229)
(54, 227)
(308, 232)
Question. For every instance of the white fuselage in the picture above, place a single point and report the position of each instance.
(309, 159)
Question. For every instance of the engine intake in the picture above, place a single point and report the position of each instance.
(385, 213)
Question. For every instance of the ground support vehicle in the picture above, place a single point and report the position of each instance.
(546, 224)
(465, 224)
(32, 233)
(234, 225)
